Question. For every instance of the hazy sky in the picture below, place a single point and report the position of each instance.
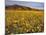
(37, 5)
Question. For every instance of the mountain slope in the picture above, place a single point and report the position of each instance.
(19, 7)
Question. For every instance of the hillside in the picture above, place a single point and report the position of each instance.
(19, 7)
(21, 19)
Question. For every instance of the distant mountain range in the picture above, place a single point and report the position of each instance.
(19, 7)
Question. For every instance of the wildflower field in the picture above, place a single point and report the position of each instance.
(24, 21)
